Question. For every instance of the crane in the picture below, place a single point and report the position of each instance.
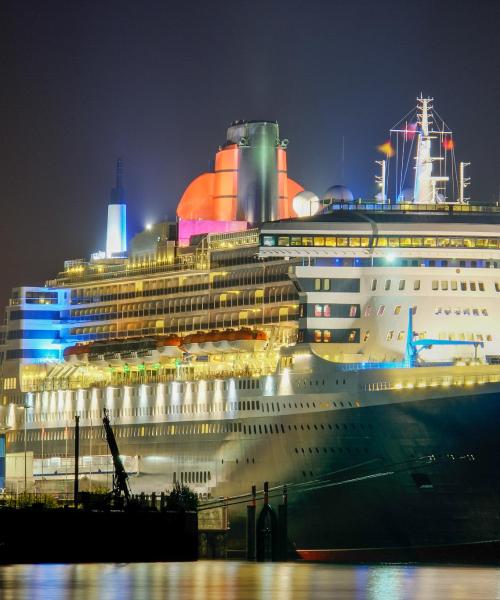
(120, 476)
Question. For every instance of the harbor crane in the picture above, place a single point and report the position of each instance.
(121, 487)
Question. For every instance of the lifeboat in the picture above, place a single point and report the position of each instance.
(169, 346)
(193, 343)
(77, 353)
(224, 344)
(212, 338)
(248, 340)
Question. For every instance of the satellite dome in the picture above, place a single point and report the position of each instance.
(406, 195)
(337, 193)
(305, 204)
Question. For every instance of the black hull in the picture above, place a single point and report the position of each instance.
(428, 479)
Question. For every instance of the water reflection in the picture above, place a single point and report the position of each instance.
(220, 580)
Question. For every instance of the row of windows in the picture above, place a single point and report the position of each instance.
(334, 310)
(339, 285)
(44, 315)
(394, 261)
(380, 241)
(33, 353)
(87, 433)
(33, 334)
(333, 336)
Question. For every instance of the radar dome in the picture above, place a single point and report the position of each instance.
(305, 204)
(338, 193)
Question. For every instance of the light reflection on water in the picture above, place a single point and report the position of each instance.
(221, 580)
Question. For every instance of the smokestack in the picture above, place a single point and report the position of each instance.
(116, 235)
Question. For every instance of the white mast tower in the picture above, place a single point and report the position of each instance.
(424, 191)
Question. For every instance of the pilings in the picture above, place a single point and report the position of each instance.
(267, 533)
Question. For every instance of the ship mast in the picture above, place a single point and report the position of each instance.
(425, 187)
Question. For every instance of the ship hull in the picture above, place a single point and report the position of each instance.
(421, 478)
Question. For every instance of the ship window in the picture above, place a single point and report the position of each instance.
(318, 310)
(381, 242)
(283, 240)
(405, 241)
(435, 284)
(352, 335)
(454, 286)
(317, 285)
(319, 240)
(387, 285)
(475, 312)
(307, 240)
(463, 286)
(401, 335)
(326, 285)
(368, 311)
(472, 286)
(481, 286)
(295, 240)
(484, 312)
(416, 284)
(390, 335)
(444, 285)
(327, 335)
(342, 242)
(354, 242)
(397, 309)
(393, 242)
(326, 310)
(353, 311)
(381, 309)
(374, 285)
(317, 335)
(489, 337)
(366, 336)
(401, 285)
(497, 286)
(330, 241)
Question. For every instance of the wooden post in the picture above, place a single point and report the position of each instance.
(77, 459)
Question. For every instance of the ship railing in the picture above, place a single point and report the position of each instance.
(445, 381)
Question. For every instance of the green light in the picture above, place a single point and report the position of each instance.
(156, 366)
(141, 367)
(126, 368)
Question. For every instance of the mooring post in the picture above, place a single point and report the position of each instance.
(283, 526)
(251, 509)
(77, 459)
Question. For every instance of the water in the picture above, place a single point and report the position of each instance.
(241, 581)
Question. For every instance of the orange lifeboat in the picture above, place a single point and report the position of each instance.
(169, 346)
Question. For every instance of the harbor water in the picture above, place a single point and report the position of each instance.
(246, 581)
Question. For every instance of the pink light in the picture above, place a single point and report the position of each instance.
(188, 228)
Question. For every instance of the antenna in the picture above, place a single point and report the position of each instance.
(380, 179)
(463, 182)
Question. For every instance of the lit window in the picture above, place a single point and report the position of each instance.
(397, 309)
(327, 335)
(268, 240)
(295, 240)
(435, 284)
(463, 286)
(454, 286)
(401, 335)
(353, 311)
(330, 241)
(319, 241)
(416, 284)
(381, 309)
(497, 286)
(317, 284)
(481, 286)
(393, 242)
(318, 310)
(342, 242)
(368, 311)
(401, 285)
(472, 286)
(387, 285)
(317, 335)
(307, 240)
(374, 285)
(405, 242)
(366, 336)
(365, 242)
(352, 336)
(326, 310)
(326, 285)
(354, 242)
(430, 242)
(381, 242)
(390, 335)
(444, 286)
(283, 240)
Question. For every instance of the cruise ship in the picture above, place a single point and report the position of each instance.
(347, 348)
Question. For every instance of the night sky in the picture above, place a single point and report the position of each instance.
(157, 83)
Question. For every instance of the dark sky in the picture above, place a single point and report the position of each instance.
(158, 83)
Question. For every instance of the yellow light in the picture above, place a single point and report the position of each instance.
(398, 386)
